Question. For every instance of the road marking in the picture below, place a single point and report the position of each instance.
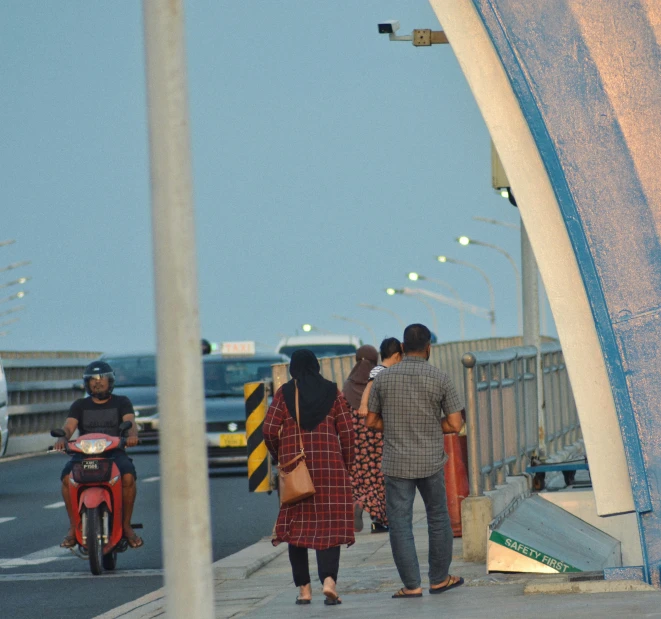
(7, 519)
(47, 555)
(78, 575)
(149, 479)
(54, 505)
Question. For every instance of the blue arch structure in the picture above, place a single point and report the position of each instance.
(587, 78)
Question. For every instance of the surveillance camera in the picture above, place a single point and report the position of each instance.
(389, 27)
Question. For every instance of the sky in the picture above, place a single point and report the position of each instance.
(328, 162)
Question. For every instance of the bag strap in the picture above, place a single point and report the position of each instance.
(300, 437)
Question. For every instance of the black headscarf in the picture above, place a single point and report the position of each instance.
(316, 395)
(366, 357)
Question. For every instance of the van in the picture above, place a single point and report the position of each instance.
(320, 345)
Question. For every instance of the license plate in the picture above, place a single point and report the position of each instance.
(90, 465)
(233, 440)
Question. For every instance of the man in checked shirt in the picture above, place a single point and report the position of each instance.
(414, 404)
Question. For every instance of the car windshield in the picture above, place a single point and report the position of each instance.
(322, 350)
(134, 371)
(226, 377)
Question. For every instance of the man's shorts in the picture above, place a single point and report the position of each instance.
(123, 462)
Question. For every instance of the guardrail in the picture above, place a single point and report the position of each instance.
(41, 387)
(445, 356)
(502, 416)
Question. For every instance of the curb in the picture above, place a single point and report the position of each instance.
(237, 566)
(591, 586)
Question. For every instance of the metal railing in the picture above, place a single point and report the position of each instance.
(503, 423)
(41, 387)
(445, 356)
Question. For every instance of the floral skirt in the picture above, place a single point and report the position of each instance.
(366, 477)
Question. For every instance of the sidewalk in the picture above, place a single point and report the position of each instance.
(257, 582)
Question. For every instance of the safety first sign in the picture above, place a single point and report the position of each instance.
(528, 551)
(237, 348)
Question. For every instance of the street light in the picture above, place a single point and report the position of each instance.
(376, 308)
(357, 322)
(407, 291)
(18, 308)
(496, 222)
(15, 265)
(308, 327)
(20, 280)
(8, 242)
(492, 298)
(18, 295)
(9, 322)
(414, 277)
(464, 240)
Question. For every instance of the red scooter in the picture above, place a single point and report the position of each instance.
(95, 487)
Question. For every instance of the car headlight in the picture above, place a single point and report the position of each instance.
(96, 446)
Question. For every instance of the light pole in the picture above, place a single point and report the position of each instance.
(414, 277)
(357, 322)
(406, 291)
(15, 265)
(492, 298)
(465, 241)
(307, 327)
(18, 308)
(20, 280)
(496, 222)
(376, 308)
(7, 242)
(18, 295)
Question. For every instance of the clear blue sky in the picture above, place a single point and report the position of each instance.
(327, 162)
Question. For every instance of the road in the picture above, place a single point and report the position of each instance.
(38, 578)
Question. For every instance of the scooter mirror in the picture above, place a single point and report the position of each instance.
(58, 433)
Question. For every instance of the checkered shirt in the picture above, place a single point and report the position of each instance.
(412, 397)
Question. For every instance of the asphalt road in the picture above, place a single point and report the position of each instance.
(38, 578)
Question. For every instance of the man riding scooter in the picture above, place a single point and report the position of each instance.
(101, 412)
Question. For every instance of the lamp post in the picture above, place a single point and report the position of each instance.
(357, 322)
(406, 291)
(19, 295)
(376, 308)
(414, 277)
(20, 280)
(15, 265)
(18, 308)
(307, 327)
(7, 242)
(465, 241)
(492, 298)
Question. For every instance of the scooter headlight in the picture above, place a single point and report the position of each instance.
(96, 446)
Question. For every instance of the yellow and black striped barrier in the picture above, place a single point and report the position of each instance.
(259, 459)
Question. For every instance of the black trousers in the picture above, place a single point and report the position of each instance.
(328, 564)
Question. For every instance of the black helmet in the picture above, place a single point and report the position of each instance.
(99, 369)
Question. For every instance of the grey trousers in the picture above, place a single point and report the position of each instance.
(400, 494)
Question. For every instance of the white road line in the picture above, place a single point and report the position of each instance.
(7, 519)
(54, 505)
(47, 555)
(79, 575)
(149, 479)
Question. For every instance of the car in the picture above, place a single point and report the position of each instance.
(320, 345)
(225, 412)
(135, 378)
(4, 412)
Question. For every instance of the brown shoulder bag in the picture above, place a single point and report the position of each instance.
(297, 484)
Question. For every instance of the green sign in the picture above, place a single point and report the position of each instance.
(536, 555)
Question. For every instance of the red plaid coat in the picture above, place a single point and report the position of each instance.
(325, 519)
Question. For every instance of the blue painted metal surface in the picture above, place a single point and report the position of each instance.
(587, 75)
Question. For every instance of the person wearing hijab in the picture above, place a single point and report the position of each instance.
(366, 478)
(324, 521)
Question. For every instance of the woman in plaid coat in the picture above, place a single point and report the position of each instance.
(323, 521)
